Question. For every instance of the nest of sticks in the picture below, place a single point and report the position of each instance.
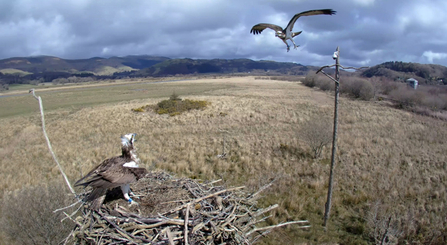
(176, 211)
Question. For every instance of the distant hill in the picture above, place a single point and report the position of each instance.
(191, 66)
(47, 68)
(142, 65)
(95, 65)
(397, 70)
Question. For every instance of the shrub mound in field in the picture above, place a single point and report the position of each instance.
(174, 106)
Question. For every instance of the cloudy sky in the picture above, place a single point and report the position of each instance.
(368, 32)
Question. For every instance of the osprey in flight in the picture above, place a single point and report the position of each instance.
(113, 172)
(287, 33)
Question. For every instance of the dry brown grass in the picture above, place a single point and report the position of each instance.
(27, 215)
(384, 154)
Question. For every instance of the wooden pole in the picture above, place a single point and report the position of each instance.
(334, 139)
(39, 99)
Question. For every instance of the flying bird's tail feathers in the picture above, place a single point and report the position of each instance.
(294, 34)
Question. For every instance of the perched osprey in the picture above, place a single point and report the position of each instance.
(287, 33)
(113, 172)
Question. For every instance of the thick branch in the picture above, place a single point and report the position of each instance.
(354, 68)
(333, 79)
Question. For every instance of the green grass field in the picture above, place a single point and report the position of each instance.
(19, 87)
(75, 97)
(390, 172)
(14, 71)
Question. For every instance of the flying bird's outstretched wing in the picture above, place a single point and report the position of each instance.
(308, 13)
(257, 29)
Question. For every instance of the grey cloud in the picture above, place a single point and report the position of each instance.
(367, 31)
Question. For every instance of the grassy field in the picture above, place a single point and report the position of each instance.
(79, 96)
(391, 165)
(14, 71)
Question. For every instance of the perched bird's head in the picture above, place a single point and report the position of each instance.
(127, 147)
(127, 140)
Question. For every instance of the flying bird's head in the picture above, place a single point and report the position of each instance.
(280, 34)
(128, 140)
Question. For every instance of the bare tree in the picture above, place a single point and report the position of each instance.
(224, 153)
(28, 218)
(317, 133)
(383, 225)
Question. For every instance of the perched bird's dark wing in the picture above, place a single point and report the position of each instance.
(111, 173)
(123, 175)
(308, 13)
(113, 177)
(94, 174)
(96, 193)
(257, 29)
